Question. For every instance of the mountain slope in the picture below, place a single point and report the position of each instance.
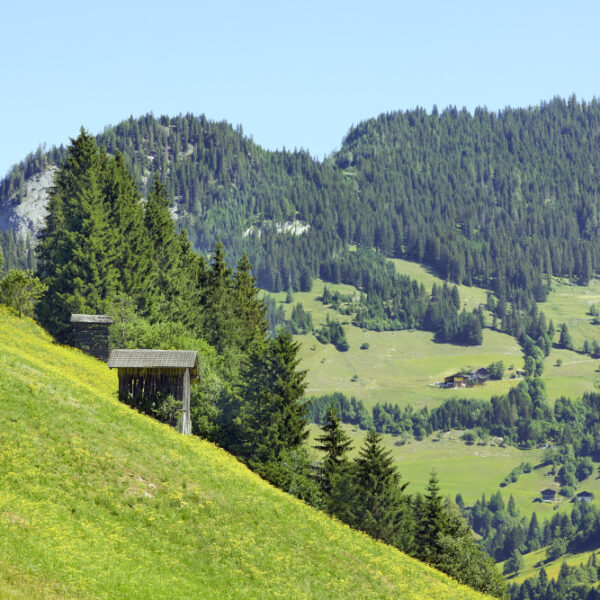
(98, 501)
(494, 199)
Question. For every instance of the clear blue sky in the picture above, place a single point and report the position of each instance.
(293, 74)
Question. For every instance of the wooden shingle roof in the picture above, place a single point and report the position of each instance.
(148, 359)
(100, 319)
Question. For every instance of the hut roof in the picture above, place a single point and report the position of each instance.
(100, 319)
(148, 359)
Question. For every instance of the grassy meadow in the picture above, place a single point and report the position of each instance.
(402, 366)
(472, 470)
(399, 366)
(98, 501)
(570, 304)
(534, 560)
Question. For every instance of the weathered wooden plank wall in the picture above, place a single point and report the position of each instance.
(138, 385)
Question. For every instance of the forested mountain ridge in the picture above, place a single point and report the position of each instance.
(501, 199)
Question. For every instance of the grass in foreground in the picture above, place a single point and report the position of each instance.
(97, 501)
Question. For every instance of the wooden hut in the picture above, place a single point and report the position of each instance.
(91, 334)
(143, 374)
(548, 495)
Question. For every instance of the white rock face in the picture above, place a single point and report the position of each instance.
(28, 217)
(292, 227)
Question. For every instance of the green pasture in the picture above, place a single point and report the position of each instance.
(537, 559)
(473, 470)
(577, 374)
(399, 366)
(570, 304)
(403, 366)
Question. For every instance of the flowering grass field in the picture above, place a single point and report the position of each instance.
(97, 501)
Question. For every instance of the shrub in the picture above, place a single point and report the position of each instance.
(468, 437)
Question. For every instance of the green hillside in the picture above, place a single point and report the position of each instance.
(98, 501)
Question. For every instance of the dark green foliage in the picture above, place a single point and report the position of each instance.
(378, 506)
(349, 410)
(275, 314)
(22, 290)
(300, 321)
(334, 443)
(514, 564)
(332, 332)
(496, 370)
(431, 523)
(565, 340)
(75, 250)
(17, 252)
(266, 416)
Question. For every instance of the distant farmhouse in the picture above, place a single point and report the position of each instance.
(584, 497)
(548, 495)
(462, 380)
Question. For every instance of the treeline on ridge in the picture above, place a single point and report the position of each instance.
(501, 199)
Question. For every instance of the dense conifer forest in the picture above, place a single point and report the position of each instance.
(499, 199)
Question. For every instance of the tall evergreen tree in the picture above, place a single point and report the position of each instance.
(431, 523)
(248, 308)
(379, 506)
(167, 278)
(267, 416)
(565, 339)
(134, 258)
(76, 249)
(335, 444)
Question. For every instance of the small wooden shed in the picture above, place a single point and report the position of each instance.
(143, 374)
(91, 334)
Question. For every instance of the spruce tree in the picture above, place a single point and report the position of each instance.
(218, 324)
(565, 339)
(379, 507)
(248, 308)
(76, 249)
(133, 260)
(335, 444)
(266, 416)
(431, 523)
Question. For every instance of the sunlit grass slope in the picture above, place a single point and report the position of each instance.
(97, 501)
(570, 304)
